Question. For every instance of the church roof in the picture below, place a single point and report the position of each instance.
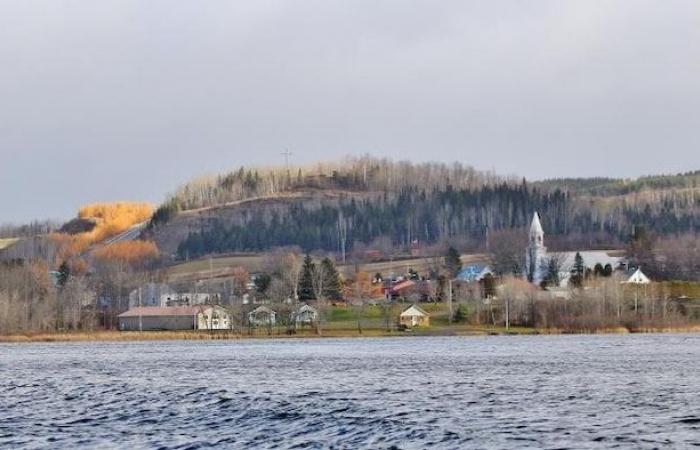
(536, 226)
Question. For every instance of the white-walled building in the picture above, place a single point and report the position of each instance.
(536, 252)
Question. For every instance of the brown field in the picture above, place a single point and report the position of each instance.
(6, 242)
(222, 267)
(336, 330)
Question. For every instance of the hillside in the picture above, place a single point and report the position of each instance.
(368, 202)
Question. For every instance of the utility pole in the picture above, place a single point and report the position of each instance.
(140, 311)
(449, 300)
(507, 312)
(286, 155)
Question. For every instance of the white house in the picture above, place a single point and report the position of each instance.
(306, 315)
(638, 277)
(262, 316)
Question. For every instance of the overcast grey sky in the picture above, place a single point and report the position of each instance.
(109, 100)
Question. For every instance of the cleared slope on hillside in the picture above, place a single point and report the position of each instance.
(169, 235)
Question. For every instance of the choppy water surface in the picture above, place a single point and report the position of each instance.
(492, 392)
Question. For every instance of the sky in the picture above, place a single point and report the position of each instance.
(125, 100)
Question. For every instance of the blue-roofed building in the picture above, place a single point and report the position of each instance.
(474, 272)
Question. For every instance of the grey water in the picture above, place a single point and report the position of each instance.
(634, 391)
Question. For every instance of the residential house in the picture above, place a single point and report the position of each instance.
(638, 277)
(262, 316)
(306, 315)
(414, 317)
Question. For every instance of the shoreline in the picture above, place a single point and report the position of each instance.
(203, 335)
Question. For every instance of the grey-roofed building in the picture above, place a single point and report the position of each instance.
(152, 318)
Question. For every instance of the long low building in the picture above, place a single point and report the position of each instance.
(154, 318)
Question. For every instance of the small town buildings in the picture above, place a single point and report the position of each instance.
(414, 317)
(398, 289)
(189, 299)
(151, 294)
(153, 318)
(536, 257)
(161, 294)
(262, 316)
(306, 315)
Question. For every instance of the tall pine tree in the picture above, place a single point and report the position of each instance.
(578, 271)
(306, 281)
(453, 263)
(332, 287)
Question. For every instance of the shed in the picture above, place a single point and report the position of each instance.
(414, 316)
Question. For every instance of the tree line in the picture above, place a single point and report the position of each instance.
(435, 215)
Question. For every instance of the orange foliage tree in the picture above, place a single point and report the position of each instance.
(110, 219)
(134, 253)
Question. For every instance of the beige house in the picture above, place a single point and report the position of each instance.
(154, 318)
(414, 317)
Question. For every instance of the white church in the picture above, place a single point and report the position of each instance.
(536, 257)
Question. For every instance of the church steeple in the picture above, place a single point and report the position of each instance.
(536, 251)
(536, 231)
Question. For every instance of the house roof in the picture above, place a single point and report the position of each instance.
(638, 277)
(414, 310)
(262, 310)
(473, 272)
(162, 311)
(305, 308)
(402, 285)
(591, 258)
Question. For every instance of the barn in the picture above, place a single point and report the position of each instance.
(153, 318)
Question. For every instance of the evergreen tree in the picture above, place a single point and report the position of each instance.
(332, 286)
(598, 270)
(551, 277)
(578, 271)
(607, 270)
(453, 263)
(262, 283)
(63, 274)
(306, 281)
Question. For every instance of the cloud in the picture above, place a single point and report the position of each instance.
(126, 99)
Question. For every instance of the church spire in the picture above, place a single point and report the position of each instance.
(536, 231)
(536, 251)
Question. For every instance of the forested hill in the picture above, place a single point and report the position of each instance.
(336, 206)
(619, 186)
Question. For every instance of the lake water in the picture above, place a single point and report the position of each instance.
(638, 391)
